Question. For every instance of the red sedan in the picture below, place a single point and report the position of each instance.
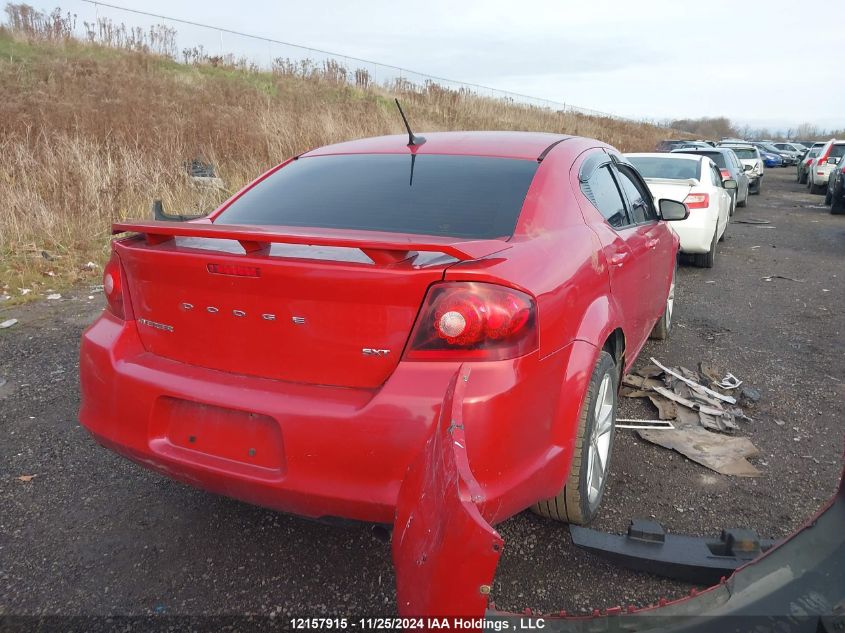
(293, 348)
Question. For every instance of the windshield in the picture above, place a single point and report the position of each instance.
(745, 153)
(673, 168)
(460, 196)
(769, 147)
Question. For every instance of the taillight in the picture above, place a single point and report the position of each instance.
(697, 201)
(474, 321)
(113, 287)
(725, 174)
(810, 163)
(824, 156)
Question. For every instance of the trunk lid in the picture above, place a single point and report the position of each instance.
(671, 189)
(321, 308)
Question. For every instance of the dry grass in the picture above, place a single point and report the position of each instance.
(93, 131)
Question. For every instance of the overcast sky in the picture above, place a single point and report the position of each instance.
(774, 63)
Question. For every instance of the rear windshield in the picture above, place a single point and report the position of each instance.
(716, 157)
(837, 151)
(459, 196)
(674, 168)
(744, 153)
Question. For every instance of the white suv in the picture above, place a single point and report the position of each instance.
(819, 172)
(751, 161)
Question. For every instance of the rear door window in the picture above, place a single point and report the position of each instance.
(602, 191)
(428, 194)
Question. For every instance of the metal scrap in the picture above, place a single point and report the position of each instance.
(700, 411)
(695, 385)
(645, 425)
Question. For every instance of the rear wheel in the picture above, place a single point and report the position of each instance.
(582, 493)
(663, 326)
(837, 205)
(708, 259)
(814, 188)
(802, 178)
(827, 197)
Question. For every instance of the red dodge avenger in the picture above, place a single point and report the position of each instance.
(292, 349)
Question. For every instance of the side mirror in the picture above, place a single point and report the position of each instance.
(672, 210)
(730, 183)
(832, 160)
(748, 167)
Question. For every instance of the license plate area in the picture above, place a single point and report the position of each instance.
(242, 442)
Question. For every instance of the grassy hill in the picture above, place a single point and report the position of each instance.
(92, 132)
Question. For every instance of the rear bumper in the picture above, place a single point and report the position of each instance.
(696, 232)
(330, 451)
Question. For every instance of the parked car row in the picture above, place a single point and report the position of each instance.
(822, 171)
(712, 180)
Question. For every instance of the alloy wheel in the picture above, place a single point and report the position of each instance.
(599, 449)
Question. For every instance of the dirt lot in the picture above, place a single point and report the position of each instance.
(91, 533)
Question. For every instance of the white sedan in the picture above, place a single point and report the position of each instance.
(696, 181)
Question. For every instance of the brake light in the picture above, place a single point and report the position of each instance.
(474, 321)
(725, 174)
(824, 156)
(810, 163)
(113, 288)
(697, 201)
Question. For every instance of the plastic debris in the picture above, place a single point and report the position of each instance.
(7, 323)
(54, 296)
(729, 382)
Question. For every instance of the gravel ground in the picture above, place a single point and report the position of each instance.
(92, 534)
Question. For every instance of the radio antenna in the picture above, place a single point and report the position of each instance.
(413, 141)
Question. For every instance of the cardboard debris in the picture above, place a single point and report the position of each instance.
(666, 409)
(703, 411)
(724, 454)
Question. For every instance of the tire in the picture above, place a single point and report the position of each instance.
(757, 189)
(661, 329)
(837, 206)
(816, 189)
(828, 197)
(708, 259)
(802, 179)
(744, 202)
(578, 502)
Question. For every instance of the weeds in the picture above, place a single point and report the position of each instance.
(92, 129)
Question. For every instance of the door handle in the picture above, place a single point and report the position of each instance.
(617, 259)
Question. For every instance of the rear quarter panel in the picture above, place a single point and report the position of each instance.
(555, 257)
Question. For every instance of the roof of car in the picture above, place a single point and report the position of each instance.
(679, 154)
(737, 146)
(703, 150)
(522, 145)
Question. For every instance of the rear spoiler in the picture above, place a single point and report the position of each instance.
(691, 182)
(382, 248)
